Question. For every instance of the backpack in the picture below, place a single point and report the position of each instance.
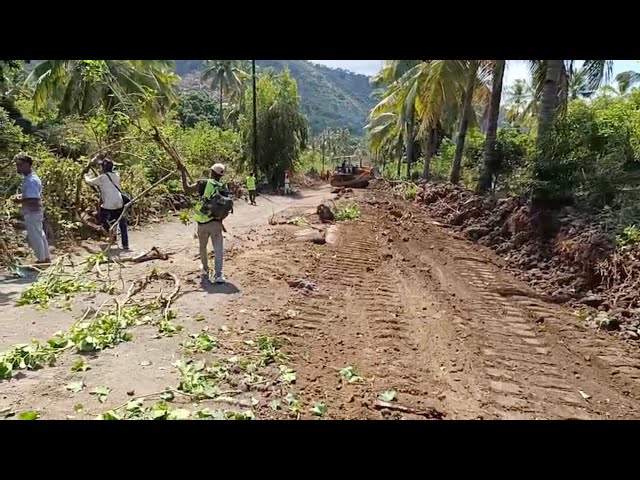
(219, 205)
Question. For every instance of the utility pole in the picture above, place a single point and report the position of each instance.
(255, 119)
(323, 139)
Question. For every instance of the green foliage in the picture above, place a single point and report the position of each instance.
(80, 366)
(12, 139)
(629, 237)
(75, 387)
(270, 350)
(282, 128)
(204, 145)
(319, 409)
(48, 288)
(514, 153)
(293, 402)
(167, 328)
(26, 356)
(29, 416)
(411, 192)
(194, 379)
(68, 137)
(287, 375)
(388, 396)
(197, 107)
(185, 217)
(105, 331)
(200, 342)
(101, 392)
(347, 212)
(350, 375)
(592, 155)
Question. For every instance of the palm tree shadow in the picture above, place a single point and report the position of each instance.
(224, 288)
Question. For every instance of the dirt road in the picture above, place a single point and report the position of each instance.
(396, 305)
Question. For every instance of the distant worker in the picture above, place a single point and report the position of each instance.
(251, 187)
(287, 188)
(32, 211)
(214, 205)
(111, 197)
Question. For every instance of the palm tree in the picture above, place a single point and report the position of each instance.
(549, 97)
(464, 120)
(82, 86)
(551, 84)
(433, 91)
(227, 76)
(520, 102)
(389, 76)
(490, 153)
(625, 82)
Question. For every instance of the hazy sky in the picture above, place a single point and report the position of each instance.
(515, 68)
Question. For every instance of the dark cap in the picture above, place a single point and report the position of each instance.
(107, 164)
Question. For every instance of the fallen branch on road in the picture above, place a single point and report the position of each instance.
(154, 254)
(431, 412)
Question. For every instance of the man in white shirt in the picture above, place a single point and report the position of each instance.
(111, 196)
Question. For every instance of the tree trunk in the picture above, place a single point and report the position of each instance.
(221, 115)
(409, 141)
(549, 100)
(429, 150)
(489, 159)
(464, 123)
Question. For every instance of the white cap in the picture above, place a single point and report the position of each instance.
(218, 168)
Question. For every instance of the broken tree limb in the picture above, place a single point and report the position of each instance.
(154, 254)
(431, 412)
(172, 295)
(173, 153)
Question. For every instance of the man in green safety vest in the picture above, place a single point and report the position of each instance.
(251, 186)
(209, 216)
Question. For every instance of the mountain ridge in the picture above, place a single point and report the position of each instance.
(331, 98)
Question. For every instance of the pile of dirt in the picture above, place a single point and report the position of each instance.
(567, 253)
(306, 181)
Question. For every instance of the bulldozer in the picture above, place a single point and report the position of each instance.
(350, 176)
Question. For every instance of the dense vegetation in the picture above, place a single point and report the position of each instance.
(559, 139)
(331, 98)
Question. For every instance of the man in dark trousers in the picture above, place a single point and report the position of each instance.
(111, 196)
(32, 211)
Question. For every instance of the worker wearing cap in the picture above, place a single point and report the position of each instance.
(207, 226)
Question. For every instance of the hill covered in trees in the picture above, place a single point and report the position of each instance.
(331, 98)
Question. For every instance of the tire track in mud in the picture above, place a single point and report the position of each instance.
(535, 363)
(358, 318)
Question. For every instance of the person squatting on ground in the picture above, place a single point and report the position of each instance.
(32, 210)
(251, 187)
(214, 205)
(111, 197)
